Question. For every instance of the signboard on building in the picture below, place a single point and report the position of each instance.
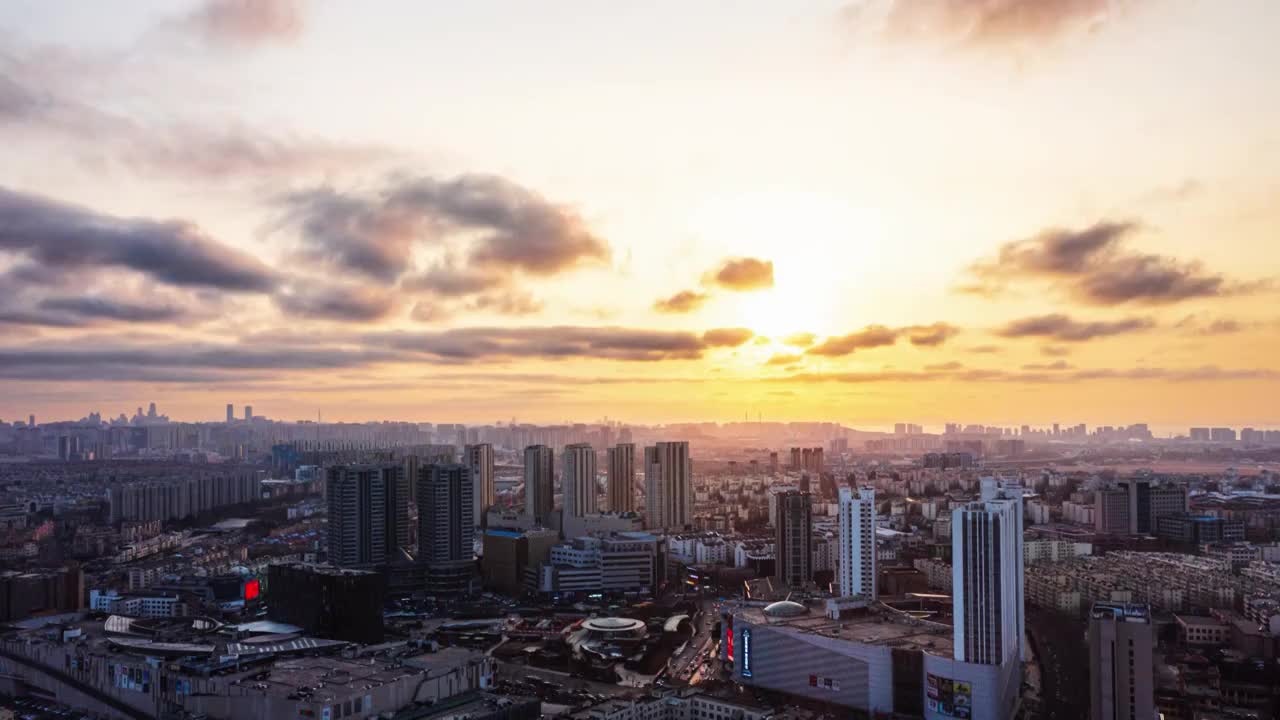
(746, 652)
(945, 696)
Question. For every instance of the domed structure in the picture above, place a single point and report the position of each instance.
(785, 609)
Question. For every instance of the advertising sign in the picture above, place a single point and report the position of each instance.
(953, 698)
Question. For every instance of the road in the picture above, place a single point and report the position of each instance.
(687, 666)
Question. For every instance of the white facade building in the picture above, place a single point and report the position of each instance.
(858, 542)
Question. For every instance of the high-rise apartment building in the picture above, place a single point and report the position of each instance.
(368, 513)
(668, 486)
(858, 542)
(793, 539)
(446, 533)
(797, 461)
(480, 459)
(986, 576)
(539, 483)
(231, 413)
(578, 479)
(1121, 672)
(622, 477)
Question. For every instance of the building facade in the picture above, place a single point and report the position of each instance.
(857, 542)
(622, 477)
(668, 480)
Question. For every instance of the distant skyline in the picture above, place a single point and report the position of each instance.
(863, 212)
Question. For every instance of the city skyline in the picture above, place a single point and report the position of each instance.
(857, 212)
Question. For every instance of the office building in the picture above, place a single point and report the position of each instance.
(248, 413)
(858, 542)
(578, 480)
(327, 601)
(622, 477)
(446, 533)
(539, 483)
(1121, 672)
(622, 563)
(1193, 530)
(987, 582)
(368, 513)
(793, 539)
(668, 478)
(513, 559)
(480, 459)
(1135, 505)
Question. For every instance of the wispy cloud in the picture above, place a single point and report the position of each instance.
(1093, 266)
(1063, 328)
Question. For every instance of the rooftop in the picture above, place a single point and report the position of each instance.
(880, 626)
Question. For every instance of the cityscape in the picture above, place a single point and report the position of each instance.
(829, 359)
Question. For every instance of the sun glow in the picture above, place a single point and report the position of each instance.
(822, 250)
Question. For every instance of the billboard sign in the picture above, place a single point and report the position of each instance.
(953, 698)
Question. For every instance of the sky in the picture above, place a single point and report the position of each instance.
(863, 211)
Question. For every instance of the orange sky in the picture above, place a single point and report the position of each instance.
(869, 212)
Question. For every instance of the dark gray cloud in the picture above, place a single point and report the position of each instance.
(1094, 266)
(988, 24)
(59, 236)
(450, 281)
(555, 342)
(499, 226)
(346, 302)
(1063, 328)
(92, 308)
(685, 301)
(742, 274)
(245, 23)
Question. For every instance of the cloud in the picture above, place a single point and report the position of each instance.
(60, 236)
(989, 24)
(109, 309)
(800, 340)
(874, 336)
(931, 335)
(1194, 325)
(35, 105)
(1093, 266)
(941, 367)
(511, 302)
(247, 23)
(345, 302)
(1055, 351)
(1062, 328)
(500, 226)
(784, 359)
(985, 349)
(685, 301)
(727, 337)
(1057, 365)
(555, 343)
(1208, 373)
(742, 274)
